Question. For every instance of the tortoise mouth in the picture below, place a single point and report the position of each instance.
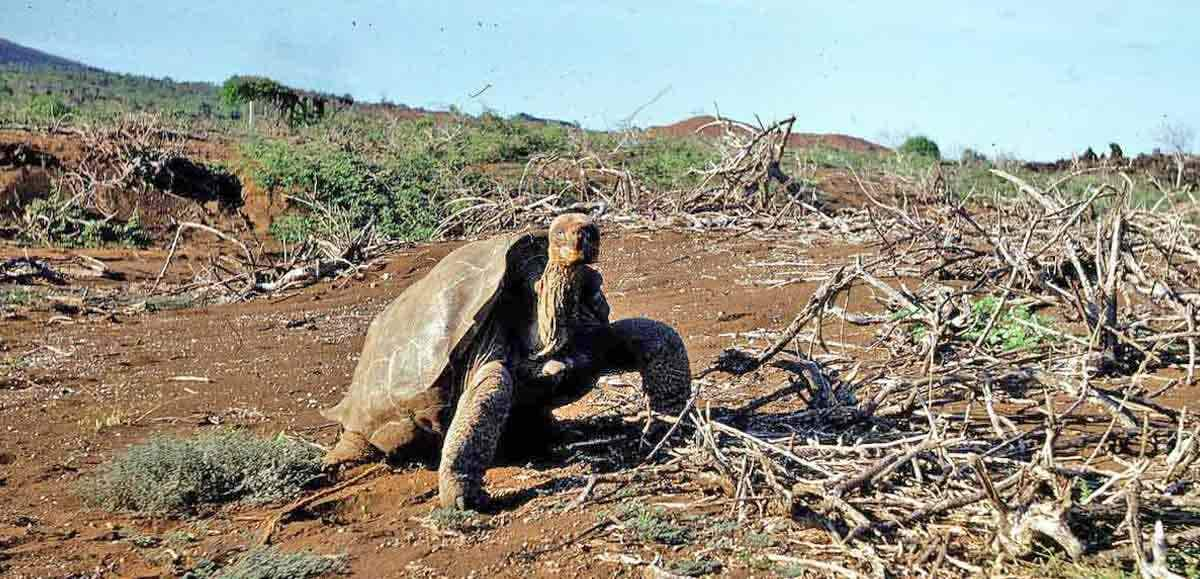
(583, 254)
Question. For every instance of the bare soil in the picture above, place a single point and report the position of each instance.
(87, 387)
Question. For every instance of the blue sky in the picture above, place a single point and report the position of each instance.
(1033, 79)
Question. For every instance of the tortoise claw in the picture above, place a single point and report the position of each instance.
(352, 448)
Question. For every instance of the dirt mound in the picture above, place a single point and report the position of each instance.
(697, 125)
(160, 176)
(24, 173)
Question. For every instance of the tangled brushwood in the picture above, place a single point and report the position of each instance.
(1009, 411)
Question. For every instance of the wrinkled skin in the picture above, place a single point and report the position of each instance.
(469, 349)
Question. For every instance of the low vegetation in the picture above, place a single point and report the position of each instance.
(652, 524)
(458, 520)
(61, 221)
(170, 475)
(28, 92)
(401, 197)
(1011, 328)
(695, 567)
(270, 563)
(667, 163)
(494, 139)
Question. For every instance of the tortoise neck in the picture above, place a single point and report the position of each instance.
(555, 303)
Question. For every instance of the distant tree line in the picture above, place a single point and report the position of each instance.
(294, 107)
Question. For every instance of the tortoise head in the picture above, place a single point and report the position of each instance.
(574, 240)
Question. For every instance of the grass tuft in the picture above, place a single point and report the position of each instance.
(653, 525)
(463, 521)
(695, 567)
(271, 563)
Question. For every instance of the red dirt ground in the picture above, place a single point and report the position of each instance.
(93, 385)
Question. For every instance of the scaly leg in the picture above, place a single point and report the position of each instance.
(473, 435)
(656, 351)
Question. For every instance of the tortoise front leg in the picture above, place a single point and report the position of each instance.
(473, 435)
(656, 351)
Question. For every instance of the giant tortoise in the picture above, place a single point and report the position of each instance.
(499, 333)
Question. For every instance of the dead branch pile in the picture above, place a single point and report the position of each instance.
(128, 155)
(968, 439)
(750, 162)
(340, 250)
(747, 187)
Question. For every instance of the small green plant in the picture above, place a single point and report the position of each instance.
(1015, 328)
(903, 314)
(695, 567)
(18, 296)
(1085, 488)
(170, 475)
(11, 364)
(756, 562)
(653, 525)
(790, 571)
(454, 519)
(922, 146)
(144, 541)
(759, 540)
(184, 536)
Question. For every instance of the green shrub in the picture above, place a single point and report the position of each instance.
(292, 228)
(17, 296)
(671, 163)
(922, 146)
(493, 139)
(47, 108)
(176, 475)
(402, 196)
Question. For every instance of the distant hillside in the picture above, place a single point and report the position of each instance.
(13, 54)
(528, 118)
(845, 142)
(26, 73)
